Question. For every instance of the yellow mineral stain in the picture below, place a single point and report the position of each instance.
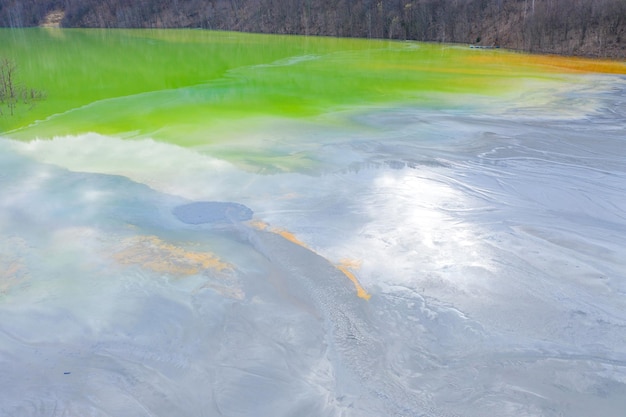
(345, 266)
(258, 224)
(152, 253)
(289, 236)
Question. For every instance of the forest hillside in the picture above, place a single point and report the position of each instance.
(571, 27)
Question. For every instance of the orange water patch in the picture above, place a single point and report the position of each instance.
(552, 63)
(152, 253)
(258, 224)
(289, 236)
(344, 266)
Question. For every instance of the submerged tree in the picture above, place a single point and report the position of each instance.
(12, 92)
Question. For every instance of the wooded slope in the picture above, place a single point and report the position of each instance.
(572, 27)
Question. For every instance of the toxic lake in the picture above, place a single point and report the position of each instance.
(200, 223)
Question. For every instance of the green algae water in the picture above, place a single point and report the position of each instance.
(220, 91)
(200, 223)
(191, 87)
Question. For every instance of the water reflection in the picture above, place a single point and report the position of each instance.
(405, 259)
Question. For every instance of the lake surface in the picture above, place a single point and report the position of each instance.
(205, 223)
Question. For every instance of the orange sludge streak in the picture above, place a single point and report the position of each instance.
(344, 266)
(552, 63)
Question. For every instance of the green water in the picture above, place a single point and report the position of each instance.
(193, 87)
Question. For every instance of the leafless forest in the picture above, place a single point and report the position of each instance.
(572, 27)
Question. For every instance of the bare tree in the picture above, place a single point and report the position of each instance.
(13, 93)
(580, 27)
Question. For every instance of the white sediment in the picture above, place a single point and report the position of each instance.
(492, 241)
